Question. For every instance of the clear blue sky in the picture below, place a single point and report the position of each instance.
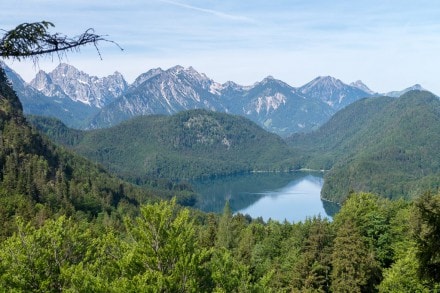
(389, 45)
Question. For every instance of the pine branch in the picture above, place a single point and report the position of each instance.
(32, 40)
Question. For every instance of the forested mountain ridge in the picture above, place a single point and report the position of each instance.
(384, 145)
(39, 180)
(189, 144)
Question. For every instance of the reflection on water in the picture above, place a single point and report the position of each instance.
(279, 196)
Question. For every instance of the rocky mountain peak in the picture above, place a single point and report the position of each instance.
(41, 80)
(416, 87)
(231, 85)
(175, 69)
(146, 76)
(67, 81)
(396, 94)
(322, 83)
(43, 83)
(333, 91)
(360, 85)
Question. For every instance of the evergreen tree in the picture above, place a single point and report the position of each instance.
(166, 255)
(353, 263)
(312, 270)
(427, 236)
(225, 237)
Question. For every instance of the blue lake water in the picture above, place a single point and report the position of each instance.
(278, 196)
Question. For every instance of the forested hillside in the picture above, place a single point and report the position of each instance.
(39, 180)
(384, 145)
(189, 144)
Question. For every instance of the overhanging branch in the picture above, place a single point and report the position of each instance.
(32, 40)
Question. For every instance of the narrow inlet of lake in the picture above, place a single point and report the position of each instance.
(291, 196)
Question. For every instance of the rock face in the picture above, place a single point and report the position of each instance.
(66, 81)
(273, 104)
(396, 94)
(334, 92)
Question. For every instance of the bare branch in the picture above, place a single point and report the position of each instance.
(32, 40)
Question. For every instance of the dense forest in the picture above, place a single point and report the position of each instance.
(373, 245)
(67, 225)
(39, 180)
(388, 146)
(190, 144)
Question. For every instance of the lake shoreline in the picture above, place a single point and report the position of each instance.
(294, 195)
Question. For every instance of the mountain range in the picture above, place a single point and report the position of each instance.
(88, 102)
(384, 145)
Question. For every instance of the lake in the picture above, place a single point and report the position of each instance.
(279, 196)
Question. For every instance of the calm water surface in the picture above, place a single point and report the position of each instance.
(279, 196)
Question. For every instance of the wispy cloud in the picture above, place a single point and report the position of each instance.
(210, 11)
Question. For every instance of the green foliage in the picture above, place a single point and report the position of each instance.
(402, 276)
(9, 103)
(24, 39)
(388, 146)
(427, 235)
(353, 264)
(33, 260)
(225, 238)
(190, 144)
(313, 266)
(167, 248)
(39, 180)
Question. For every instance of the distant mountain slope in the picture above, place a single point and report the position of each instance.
(66, 93)
(282, 109)
(65, 81)
(162, 92)
(189, 144)
(334, 92)
(35, 102)
(384, 145)
(396, 94)
(84, 101)
(271, 103)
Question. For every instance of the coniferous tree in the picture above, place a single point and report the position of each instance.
(225, 234)
(352, 261)
(427, 236)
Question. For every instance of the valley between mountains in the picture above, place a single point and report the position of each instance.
(84, 210)
(178, 124)
(384, 145)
